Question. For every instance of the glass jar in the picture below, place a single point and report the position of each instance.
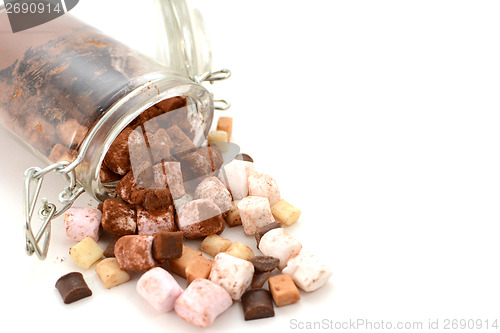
(68, 90)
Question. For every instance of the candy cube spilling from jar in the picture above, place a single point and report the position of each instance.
(234, 274)
(307, 271)
(214, 244)
(159, 288)
(167, 245)
(169, 174)
(134, 252)
(81, 222)
(110, 273)
(285, 212)
(225, 124)
(178, 265)
(200, 218)
(283, 290)
(118, 218)
(257, 304)
(240, 250)
(263, 185)
(233, 217)
(279, 244)
(150, 222)
(217, 136)
(235, 176)
(212, 188)
(86, 252)
(72, 287)
(202, 302)
(255, 212)
(199, 268)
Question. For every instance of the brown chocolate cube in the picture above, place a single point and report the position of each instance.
(198, 268)
(167, 245)
(283, 290)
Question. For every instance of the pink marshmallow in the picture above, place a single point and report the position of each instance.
(169, 173)
(81, 222)
(159, 288)
(202, 302)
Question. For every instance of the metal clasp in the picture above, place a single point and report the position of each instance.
(39, 243)
(220, 75)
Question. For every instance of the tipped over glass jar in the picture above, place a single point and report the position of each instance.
(67, 91)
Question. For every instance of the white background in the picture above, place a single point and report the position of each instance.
(379, 120)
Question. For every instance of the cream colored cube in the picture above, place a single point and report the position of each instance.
(217, 136)
(240, 250)
(86, 252)
(110, 273)
(214, 244)
(285, 212)
(233, 217)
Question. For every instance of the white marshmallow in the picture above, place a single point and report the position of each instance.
(159, 288)
(233, 274)
(263, 185)
(307, 271)
(235, 176)
(255, 212)
(202, 302)
(279, 244)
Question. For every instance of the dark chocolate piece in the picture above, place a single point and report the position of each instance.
(257, 304)
(72, 287)
(264, 263)
(167, 245)
(110, 249)
(244, 157)
(262, 230)
(259, 279)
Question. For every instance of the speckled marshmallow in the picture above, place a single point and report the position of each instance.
(255, 212)
(159, 288)
(202, 302)
(307, 271)
(151, 222)
(171, 176)
(279, 244)
(233, 274)
(263, 185)
(81, 222)
(212, 188)
(235, 176)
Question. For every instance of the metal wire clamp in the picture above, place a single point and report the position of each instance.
(39, 243)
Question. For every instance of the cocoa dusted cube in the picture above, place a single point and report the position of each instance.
(180, 140)
(118, 218)
(202, 162)
(167, 245)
